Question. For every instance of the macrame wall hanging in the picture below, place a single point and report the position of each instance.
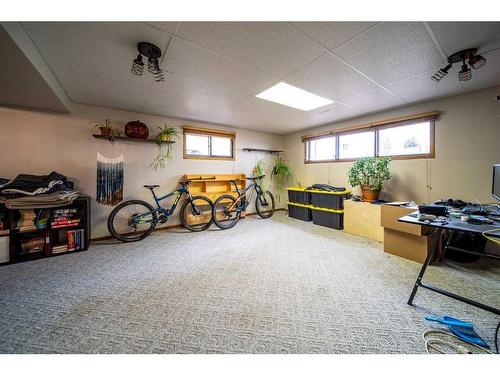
(109, 180)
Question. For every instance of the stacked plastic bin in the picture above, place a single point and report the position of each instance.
(299, 203)
(325, 208)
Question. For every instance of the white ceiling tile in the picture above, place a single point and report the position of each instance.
(333, 34)
(169, 27)
(259, 112)
(488, 75)
(115, 38)
(422, 87)
(273, 47)
(392, 51)
(84, 63)
(331, 78)
(101, 92)
(186, 59)
(456, 36)
(325, 115)
(373, 101)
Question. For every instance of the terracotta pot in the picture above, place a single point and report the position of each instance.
(369, 195)
(136, 129)
(105, 131)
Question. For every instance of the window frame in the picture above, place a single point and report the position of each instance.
(376, 127)
(209, 133)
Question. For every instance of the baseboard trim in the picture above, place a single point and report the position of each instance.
(166, 227)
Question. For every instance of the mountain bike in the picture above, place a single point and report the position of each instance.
(135, 219)
(227, 209)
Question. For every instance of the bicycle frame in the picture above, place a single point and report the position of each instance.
(164, 212)
(242, 196)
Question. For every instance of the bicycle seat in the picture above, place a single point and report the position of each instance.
(151, 186)
(256, 178)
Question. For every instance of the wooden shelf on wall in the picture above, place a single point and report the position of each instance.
(262, 150)
(146, 140)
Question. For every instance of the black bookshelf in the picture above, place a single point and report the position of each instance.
(51, 239)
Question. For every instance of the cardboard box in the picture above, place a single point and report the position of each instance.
(391, 214)
(406, 245)
(363, 219)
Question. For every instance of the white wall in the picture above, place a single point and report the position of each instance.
(38, 143)
(467, 144)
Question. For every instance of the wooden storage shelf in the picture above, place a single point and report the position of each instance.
(213, 186)
(261, 150)
(49, 236)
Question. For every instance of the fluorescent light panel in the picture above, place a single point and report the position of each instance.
(292, 96)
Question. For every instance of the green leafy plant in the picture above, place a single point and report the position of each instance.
(282, 174)
(108, 128)
(164, 140)
(370, 172)
(160, 161)
(258, 170)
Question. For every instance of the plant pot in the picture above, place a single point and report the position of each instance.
(163, 138)
(105, 131)
(369, 195)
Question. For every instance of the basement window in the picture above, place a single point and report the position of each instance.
(208, 144)
(406, 138)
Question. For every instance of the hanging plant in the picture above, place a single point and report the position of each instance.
(108, 128)
(165, 150)
(258, 170)
(282, 174)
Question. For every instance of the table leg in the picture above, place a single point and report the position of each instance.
(434, 244)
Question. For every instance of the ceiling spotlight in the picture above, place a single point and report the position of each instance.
(138, 66)
(477, 61)
(465, 74)
(153, 53)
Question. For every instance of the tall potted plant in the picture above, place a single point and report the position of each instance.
(370, 174)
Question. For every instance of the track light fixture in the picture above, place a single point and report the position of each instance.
(153, 53)
(465, 74)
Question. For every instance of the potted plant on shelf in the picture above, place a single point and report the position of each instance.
(370, 174)
(108, 128)
(164, 138)
(282, 174)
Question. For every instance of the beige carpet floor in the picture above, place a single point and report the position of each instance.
(265, 286)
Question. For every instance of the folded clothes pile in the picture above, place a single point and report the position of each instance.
(31, 191)
(28, 184)
(55, 199)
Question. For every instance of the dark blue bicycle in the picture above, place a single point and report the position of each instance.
(135, 219)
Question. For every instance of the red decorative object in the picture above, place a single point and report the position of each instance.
(136, 129)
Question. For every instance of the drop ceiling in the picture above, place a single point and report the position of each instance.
(213, 70)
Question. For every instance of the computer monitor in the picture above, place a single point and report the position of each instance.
(495, 188)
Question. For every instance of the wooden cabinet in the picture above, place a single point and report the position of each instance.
(213, 186)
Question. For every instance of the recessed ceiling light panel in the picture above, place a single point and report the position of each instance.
(291, 96)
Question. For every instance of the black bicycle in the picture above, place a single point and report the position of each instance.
(135, 219)
(227, 209)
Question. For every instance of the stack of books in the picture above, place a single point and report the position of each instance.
(76, 239)
(59, 249)
(63, 218)
(32, 245)
(27, 221)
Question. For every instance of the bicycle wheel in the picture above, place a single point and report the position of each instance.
(265, 205)
(225, 213)
(132, 221)
(196, 215)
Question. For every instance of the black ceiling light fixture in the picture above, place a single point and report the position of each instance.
(153, 53)
(465, 74)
